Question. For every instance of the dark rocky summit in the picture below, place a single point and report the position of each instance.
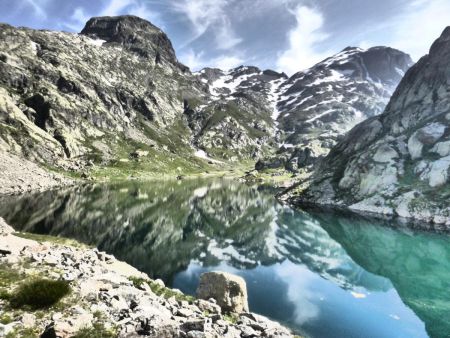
(135, 34)
(396, 163)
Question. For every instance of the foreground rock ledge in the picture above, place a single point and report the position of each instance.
(112, 295)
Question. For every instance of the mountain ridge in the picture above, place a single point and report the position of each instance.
(115, 100)
(396, 163)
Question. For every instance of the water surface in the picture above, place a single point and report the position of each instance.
(323, 274)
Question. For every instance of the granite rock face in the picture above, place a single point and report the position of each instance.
(67, 98)
(229, 291)
(396, 163)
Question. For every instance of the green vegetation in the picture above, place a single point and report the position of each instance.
(38, 294)
(160, 290)
(8, 276)
(6, 318)
(50, 239)
(98, 330)
(23, 333)
(231, 317)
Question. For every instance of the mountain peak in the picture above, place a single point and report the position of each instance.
(114, 27)
(442, 41)
(134, 33)
(350, 48)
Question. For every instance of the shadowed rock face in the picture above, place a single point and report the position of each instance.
(397, 163)
(135, 34)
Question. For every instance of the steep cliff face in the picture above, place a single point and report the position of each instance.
(134, 34)
(318, 106)
(396, 163)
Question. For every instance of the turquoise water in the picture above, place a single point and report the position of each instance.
(323, 274)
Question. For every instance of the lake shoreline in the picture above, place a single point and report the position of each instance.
(106, 296)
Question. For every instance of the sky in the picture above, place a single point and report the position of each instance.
(284, 35)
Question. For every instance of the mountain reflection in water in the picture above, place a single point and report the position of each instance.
(324, 274)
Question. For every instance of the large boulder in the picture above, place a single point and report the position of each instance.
(230, 291)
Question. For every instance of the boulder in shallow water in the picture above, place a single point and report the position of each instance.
(230, 291)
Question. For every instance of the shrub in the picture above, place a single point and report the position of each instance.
(39, 294)
(162, 291)
(98, 330)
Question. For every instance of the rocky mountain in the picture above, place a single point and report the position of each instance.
(115, 99)
(116, 96)
(316, 107)
(396, 163)
(69, 100)
(244, 97)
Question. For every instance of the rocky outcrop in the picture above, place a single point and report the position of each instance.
(396, 163)
(68, 99)
(230, 291)
(135, 34)
(113, 296)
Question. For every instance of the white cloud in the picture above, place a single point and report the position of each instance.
(38, 7)
(206, 14)
(416, 29)
(302, 53)
(225, 36)
(200, 13)
(134, 7)
(116, 7)
(227, 62)
(77, 20)
(197, 61)
(193, 60)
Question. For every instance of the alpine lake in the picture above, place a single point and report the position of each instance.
(319, 272)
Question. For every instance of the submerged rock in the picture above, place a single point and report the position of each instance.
(230, 291)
